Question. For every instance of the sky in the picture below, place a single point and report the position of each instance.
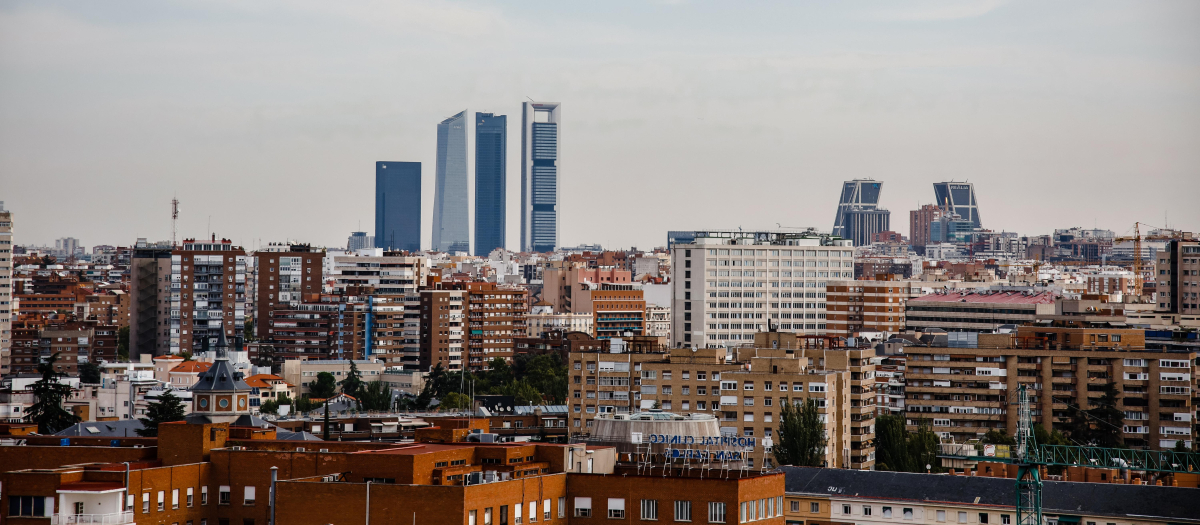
(265, 119)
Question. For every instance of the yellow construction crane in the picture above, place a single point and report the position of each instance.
(1137, 257)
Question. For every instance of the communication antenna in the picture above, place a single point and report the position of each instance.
(174, 217)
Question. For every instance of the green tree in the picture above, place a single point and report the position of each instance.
(186, 355)
(547, 373)
(996, 437)
(891, 446)
(123, 344)
(923, 448)
(1048, 438)
(455, 401)
(269, 406)
(1180, 446)
(523, 393)
(89, 373)
(1101, 425)
(168, 408)
(353, 382)
(324, 387)
(376, 395)
(47, 410)
(801, 435)
(303, 405)
(248, 332)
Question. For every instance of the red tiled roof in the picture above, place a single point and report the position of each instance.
(192, 367)
(994, 298)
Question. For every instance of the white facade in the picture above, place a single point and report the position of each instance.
(540, 323)
(726, 287)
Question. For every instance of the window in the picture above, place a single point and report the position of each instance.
(616, 508)
(34, 505)
(223, 495)
(504, 515)
(517, 514)
(683, 510)
(249, 499)
(145, 503)
(846, 510)
(174, 499)
(814, 507)
(887, 512)
(650, 509)
(546, 509)
(1005, 519)
(962, 517)
(162, 500)
(795, 506)
(983, 518)
(471, 516)
(866, 510)
(562, 507)
(716, 509)
(189, 496)
(204, 495)
(487, 516)
(583, 508)
(941, 515)
(908, 514)
(742, 513)
(533, 512)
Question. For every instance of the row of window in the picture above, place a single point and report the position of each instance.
(907, 513)
(223, 498)
(682, 509)
(502, 515)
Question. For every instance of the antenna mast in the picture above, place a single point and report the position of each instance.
(174, 217)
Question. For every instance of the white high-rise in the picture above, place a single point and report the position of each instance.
(6, 295)
(540, 168)
(451, 224)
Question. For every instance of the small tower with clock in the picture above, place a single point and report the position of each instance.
(220, 394)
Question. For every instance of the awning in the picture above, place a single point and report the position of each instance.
(1068, 519)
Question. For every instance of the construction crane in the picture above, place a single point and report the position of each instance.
(1137, 256)
(1030, 457)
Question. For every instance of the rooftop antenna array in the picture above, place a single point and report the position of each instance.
(174, 218)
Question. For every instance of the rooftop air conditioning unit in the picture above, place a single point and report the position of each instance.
(324, 450)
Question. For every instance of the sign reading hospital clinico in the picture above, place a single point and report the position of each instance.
(725, 448)
(717, 441)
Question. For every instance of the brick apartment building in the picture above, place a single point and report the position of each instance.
(7, 310)
(745, 391)
(467, 324)
(876, 305)
(150, 299)
(37, 336)
(1177, 278)
(284, 274)
(967, 391)
(208, 283)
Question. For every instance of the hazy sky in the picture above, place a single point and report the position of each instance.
(268, 116)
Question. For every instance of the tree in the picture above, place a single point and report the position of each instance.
(47, 410)
(186, 355)
(302, 405)
(547, 373)
(801, 435)
(376, 395)
(923, 448)
(325, 423)
(1100, 426)
(1180, 446)
(248, 332)
(324, 387)
(353, 382)
(89, 373)
(168, 408)
(123, 344)
(996, 437)
(455, 401)
(269, 406)
(891, 447)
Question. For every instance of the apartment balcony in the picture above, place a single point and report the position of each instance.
(116, 518)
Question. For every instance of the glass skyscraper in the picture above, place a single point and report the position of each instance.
(398, 205)
(451, 226)
(857, 194)
(491, 182)
(539, 175)
(958, 197)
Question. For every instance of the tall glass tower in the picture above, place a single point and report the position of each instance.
(539, 175)
(451, 225)
(491, 182)
(959, 197)
(398, 205)
(857, 194)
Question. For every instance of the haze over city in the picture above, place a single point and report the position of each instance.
(266, 119)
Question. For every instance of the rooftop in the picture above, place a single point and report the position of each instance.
(988, 297)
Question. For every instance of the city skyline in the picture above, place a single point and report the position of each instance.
(661, 101)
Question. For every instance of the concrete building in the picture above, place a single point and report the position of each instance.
(7, 307)
(359, 241)
(150, 298)
(658, 321)
(540, 171)
(857, 195)
(467, 324)
(451, 226)
(879, 498)
(208, 293)
(964, 390)
(543, 320)
(1178, 278)
(284, 273)
(959, 198)
(398, 206)
(491, 182)
(728, 284)
(862, 226)
(972, 311)
(300, 374)
(38, 336)
(1110, 281)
